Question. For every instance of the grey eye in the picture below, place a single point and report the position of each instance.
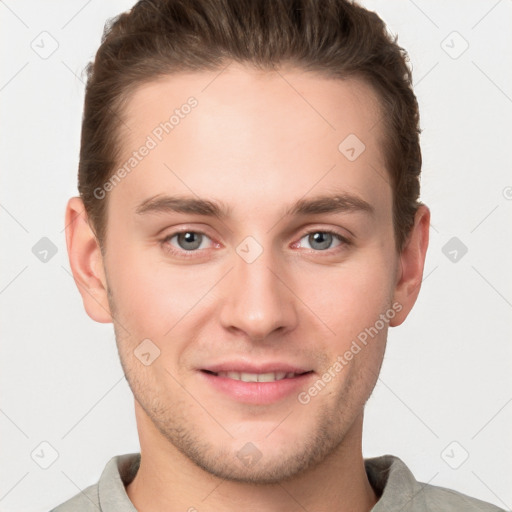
(320, 240)
(189, 240)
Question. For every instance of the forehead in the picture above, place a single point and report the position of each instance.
(258, 137)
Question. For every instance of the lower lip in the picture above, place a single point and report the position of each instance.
(258, 392)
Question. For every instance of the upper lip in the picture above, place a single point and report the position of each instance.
(247, 367)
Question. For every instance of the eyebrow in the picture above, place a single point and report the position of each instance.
(337, 203)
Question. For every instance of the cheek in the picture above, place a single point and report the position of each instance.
(152, 297)
(351, 296)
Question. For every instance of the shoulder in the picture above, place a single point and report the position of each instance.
(399, 490)
(441, 498)
(109, 494)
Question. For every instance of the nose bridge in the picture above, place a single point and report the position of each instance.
(258, 303)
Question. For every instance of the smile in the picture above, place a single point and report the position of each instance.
(257, 387)
(257, 377)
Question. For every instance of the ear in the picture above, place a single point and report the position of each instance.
(86, 262)
(411, 263)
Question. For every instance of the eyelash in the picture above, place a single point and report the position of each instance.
(167, 247)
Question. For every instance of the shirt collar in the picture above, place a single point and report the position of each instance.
(118, 473)
(391, 479)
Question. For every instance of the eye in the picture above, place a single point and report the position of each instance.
(321, 240)
(186, 241)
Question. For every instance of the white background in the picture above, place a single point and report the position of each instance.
(446, 375)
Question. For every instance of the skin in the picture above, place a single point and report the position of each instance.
(257, 145)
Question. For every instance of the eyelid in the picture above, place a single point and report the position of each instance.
(331, 231)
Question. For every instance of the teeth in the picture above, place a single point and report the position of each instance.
(257, 377)
(249, 377)
(268, 377)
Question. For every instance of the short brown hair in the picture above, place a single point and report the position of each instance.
(336, 38)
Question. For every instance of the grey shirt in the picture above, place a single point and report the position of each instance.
(389, 476)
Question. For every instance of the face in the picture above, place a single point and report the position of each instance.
(266, 280)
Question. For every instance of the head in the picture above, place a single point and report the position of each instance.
(250, 178)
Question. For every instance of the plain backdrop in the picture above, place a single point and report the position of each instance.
(443, 402)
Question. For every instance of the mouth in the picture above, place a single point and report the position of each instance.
(262, 385)
(257, 377)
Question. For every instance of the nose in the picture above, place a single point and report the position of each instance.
(258, 299)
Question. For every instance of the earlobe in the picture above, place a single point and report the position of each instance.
(86, 262)
(412, 261)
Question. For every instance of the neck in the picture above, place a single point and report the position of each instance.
(168, 480)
